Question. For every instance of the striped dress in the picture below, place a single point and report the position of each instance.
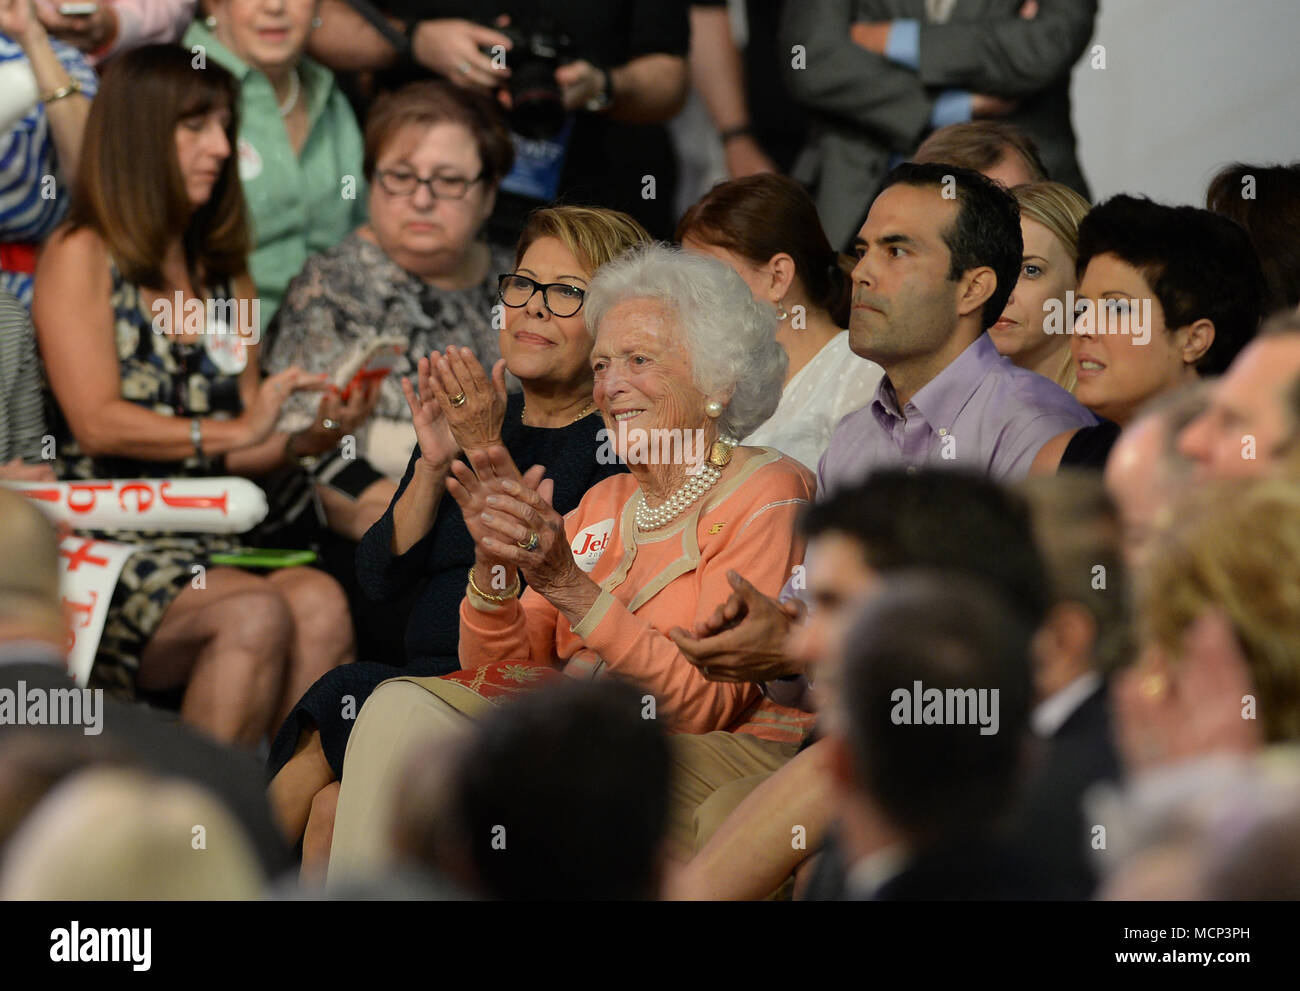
(30, 207)
(22, 409)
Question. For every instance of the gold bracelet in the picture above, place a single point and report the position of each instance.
(61, 92)
(510, 592)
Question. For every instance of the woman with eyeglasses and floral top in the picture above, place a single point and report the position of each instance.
(459, 411)
(419, 271)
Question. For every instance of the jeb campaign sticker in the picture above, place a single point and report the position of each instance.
(590, 544)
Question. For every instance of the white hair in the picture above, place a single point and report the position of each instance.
(730, 337)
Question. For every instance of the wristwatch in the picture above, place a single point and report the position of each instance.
(54, 96)
(605, 98)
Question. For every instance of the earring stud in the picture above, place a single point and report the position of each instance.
(713, 408)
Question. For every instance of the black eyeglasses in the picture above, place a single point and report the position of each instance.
(403, 182)
(562, 299)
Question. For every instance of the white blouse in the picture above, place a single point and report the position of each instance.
(833, 384)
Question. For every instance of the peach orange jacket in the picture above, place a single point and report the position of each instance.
(653, 582)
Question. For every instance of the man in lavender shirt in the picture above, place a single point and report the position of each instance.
(937, 258)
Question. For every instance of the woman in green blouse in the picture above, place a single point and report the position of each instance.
(299, 148)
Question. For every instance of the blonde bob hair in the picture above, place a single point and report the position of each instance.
(1235, 546)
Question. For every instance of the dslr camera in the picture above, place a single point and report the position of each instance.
(539, 48)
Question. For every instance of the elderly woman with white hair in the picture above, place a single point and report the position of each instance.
(685, 361)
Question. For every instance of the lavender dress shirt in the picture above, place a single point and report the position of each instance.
(981, 413)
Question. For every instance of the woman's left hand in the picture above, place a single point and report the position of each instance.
(85, 32)
(513, 515)
(477, 414)
(337, 417)
(19, 20)
(579, 83)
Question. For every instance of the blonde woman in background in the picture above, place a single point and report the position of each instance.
(1219, 659)
(1050, 214)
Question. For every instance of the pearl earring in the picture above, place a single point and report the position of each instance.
(210, 22)
(780, 311)
(316, 22)
(713, 408)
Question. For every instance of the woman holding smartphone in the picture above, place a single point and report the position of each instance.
(145, 387)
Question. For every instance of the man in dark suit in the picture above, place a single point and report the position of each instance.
(1082, 636)
(33, 674)
(932, 709)
(880, 74)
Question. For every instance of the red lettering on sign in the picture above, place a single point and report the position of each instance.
(193, 502)
(82, 555)
(87, 488)
(143, 499)
(44, 495)
(75, 610)
(81, 610)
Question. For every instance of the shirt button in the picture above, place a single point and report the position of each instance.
(911, 469)
(943, 431)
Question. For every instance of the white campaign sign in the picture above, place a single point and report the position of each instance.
(88, 570)
(219, 504)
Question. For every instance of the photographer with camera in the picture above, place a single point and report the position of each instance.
(588, 91)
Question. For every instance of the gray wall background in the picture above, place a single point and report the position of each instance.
(1189, 86)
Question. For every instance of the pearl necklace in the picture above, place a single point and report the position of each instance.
(291, 100)
(685, 497)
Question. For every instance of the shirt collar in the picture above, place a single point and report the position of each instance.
(1053, 712)
(875, 870)
(941, 399)
(316, 79)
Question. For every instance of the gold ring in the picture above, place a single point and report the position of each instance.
(531, 543)
(458, 399)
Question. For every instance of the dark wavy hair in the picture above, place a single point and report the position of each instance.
(759, 216)
(129, 188)
(1271, 218)
(1198, 264)
(986, 231)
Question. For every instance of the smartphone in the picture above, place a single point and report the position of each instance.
(264, 557)
(78, 9)
(373, 364)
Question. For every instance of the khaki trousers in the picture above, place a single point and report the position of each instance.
(399, 717)
(712, 774)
